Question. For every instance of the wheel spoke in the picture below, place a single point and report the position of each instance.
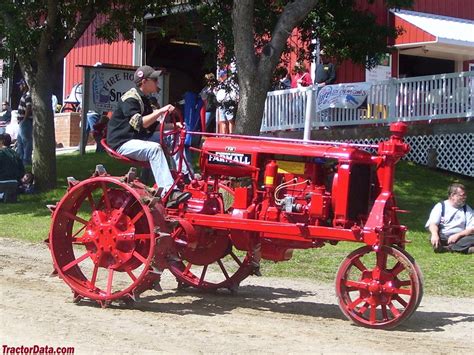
(75, 262)
(76, 218)
(108, 206)
(398, 268)
(237, 260)
(400, 300)
(405, 283)
(394, 310)
(188, 267)
(203, 275)
(91, 201)
(78, 241)
(142, 236)
(362, 309)
(355, 285)
(384, 312)
(177, 232)
(139, 256)
(94, 276)
(359, 264)
(354, 303)
(79, 231)
(122, 208)
(132, 276)
(373, 313)
(138, 216)
(224, 271)
(381, 260)
(399, 291)
(109, 281)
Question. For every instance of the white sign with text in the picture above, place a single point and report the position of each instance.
(342, 95)
(107, 85)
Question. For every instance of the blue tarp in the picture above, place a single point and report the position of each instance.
(192, 113)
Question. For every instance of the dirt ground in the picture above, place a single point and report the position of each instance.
(267, 315)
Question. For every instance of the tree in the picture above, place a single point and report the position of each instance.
(39, 34)
(256, 32)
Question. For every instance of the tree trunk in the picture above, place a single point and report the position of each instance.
(255, 70)
(44, 143)
(253, 94)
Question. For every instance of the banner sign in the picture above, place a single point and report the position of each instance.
(342, 96)
(107, 85)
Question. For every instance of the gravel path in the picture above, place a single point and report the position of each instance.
(267, 315)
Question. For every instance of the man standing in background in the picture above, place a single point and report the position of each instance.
(25, 121)
(325, 73)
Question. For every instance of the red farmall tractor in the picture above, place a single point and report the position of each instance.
(257, 198)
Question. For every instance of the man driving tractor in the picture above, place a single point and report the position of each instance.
(133, 131)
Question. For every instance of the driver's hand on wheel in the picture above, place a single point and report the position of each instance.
(161, 112)
(168, 108)
(179, 125)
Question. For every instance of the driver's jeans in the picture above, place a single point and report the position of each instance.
(175, 158)
(150, 150)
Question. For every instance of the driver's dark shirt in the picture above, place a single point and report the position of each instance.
(119, 129)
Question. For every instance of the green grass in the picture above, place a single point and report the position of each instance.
(29, 219)
(417, 189)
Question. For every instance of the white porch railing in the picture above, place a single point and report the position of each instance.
(429, 97)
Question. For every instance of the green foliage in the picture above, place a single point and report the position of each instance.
(344, 33)
(54, 26)
(345, 30)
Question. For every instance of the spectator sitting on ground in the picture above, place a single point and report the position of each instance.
(11, 166)
(27, 184)
(451, 223)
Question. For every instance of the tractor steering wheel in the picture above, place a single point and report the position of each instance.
(172, 140)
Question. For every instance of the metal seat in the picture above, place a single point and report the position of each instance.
(112, 153)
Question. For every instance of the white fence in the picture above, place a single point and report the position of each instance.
(452, 151)
(429, 97)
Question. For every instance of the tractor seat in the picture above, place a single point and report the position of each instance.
(112, 153)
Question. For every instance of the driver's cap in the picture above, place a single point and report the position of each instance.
(145, 72)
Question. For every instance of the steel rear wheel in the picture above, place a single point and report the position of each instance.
(379, 289)
(102, 240)
(212, 264)
(205, 258)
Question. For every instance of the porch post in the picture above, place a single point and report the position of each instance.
(392, 100)
(310, 112)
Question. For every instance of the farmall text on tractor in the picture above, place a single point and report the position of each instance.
(256, 198)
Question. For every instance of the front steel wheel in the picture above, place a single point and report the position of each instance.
(379, 289)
